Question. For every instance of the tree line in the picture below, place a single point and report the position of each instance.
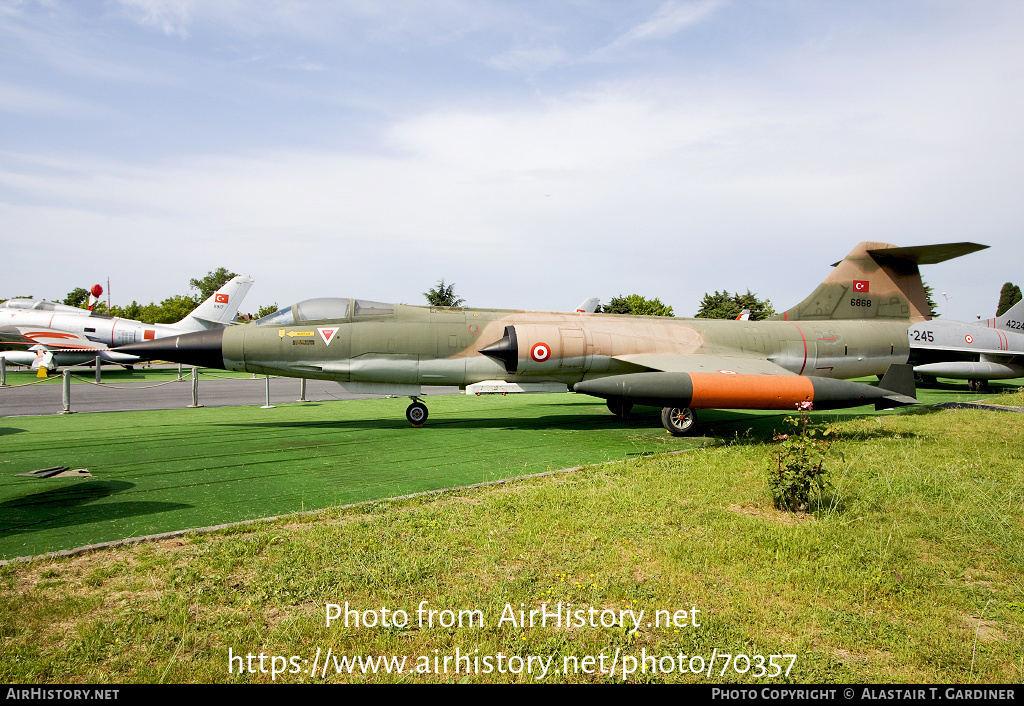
(719, 305)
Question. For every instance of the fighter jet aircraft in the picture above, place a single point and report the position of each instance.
(854, 324)
(977, 352)
(56, 334)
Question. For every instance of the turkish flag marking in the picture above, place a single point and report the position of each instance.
(221, 299)
(860, 285)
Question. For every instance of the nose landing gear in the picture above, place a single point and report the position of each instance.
(416, 413)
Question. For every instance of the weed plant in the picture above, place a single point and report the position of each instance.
(797, 473)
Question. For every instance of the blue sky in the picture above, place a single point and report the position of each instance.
(534, 153)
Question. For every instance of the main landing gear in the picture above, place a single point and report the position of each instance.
(620, 408)
(416, 413)
(679, 421)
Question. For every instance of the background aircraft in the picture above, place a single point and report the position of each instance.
(56, 334)
(854, 324)
(977, 352)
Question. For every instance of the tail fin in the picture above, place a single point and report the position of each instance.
(877, 281)
(898, 381)
(220, 309)
(588, 306)
(1011, 320)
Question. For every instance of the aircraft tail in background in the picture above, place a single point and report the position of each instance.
(220, 309)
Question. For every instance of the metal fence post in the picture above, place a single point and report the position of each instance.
(99, 375)
(302, 390)
(268, 405)
(3, 372)
(67, 393)
(195, 388)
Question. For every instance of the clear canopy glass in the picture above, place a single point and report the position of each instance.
(325, 309)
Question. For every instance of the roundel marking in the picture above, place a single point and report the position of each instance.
(473, 328)
(969, 338)
(728, 372)
(540, 352)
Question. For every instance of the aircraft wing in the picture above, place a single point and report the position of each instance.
(966, 349)
(50, 338)
(702, 363)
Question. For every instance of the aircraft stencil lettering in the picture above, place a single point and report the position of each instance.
(800, 358)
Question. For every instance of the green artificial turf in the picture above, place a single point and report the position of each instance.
(167, 470)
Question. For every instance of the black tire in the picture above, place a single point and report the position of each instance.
(679, 421)
(620, 408)
(416, 413)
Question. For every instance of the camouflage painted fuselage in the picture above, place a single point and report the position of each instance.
(417, 345)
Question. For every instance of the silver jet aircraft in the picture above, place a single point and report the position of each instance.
(49, 334)
(977, 352)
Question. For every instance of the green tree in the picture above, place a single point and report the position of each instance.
(443, 295)
(170, 310)
(933, 310)
(637, 306)
(722, 305)
(211, 282)
(267, 310)
(79, 296)
(1009, 295)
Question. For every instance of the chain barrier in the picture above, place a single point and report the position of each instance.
(67, 375)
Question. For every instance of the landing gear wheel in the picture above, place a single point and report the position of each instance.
(679, 421)
(977, 385)
(416, 413)
(620, 408)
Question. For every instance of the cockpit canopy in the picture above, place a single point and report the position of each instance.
(324, 309)
(41, 305)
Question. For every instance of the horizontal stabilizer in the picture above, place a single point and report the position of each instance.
(926, 254)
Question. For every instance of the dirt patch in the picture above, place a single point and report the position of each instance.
(773, 515)
(986, 630)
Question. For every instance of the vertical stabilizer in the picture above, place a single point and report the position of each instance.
(220, 309)
(876, 281)
(1011, 320)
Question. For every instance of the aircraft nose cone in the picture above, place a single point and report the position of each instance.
(202, 348)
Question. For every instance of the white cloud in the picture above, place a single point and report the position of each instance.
(529, 61)
(671, 18)
(756, 172)
(31, 101)
(169, 16)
